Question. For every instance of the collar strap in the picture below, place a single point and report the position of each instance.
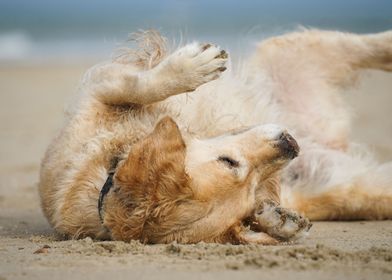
(104, 191)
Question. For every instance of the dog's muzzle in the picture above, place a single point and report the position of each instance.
(288, 146)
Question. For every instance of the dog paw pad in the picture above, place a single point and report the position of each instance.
(282, 223)
(196, 64)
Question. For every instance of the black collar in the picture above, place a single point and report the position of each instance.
(104, 191)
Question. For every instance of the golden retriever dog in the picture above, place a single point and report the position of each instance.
(179, 146)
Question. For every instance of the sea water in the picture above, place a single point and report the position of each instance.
(37, 30)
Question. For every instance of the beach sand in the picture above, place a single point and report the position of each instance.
(33, 98)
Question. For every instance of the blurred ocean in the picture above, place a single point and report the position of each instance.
(45, 30)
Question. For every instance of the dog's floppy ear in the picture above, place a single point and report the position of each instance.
(155, 163)
(153, 175)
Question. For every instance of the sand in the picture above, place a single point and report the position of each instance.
(32, 101)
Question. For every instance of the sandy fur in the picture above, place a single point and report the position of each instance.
(290, 80)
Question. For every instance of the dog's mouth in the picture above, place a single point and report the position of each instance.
(288, 146)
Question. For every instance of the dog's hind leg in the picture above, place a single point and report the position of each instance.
(307, 69)
(333, 57)
(344, 192)
(182, 71)
(347, 202)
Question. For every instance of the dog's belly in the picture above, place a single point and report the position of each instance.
(224, 105)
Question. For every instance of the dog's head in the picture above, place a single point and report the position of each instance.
(168, 189)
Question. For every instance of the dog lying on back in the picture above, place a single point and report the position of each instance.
(171, 147)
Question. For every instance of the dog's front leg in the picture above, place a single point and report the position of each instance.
(182, 71)
(240, 234)
(281, 223)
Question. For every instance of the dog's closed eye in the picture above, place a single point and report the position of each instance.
(231, 163)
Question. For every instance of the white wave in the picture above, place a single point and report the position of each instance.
(20, 46)
(14, 45)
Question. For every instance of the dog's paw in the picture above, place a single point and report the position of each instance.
(196, 64)
(282, 223)
(381, 56)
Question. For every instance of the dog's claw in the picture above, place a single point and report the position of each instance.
(222, 68)
(205, 46)
(223, 54)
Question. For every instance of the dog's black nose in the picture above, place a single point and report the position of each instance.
(288, 145)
